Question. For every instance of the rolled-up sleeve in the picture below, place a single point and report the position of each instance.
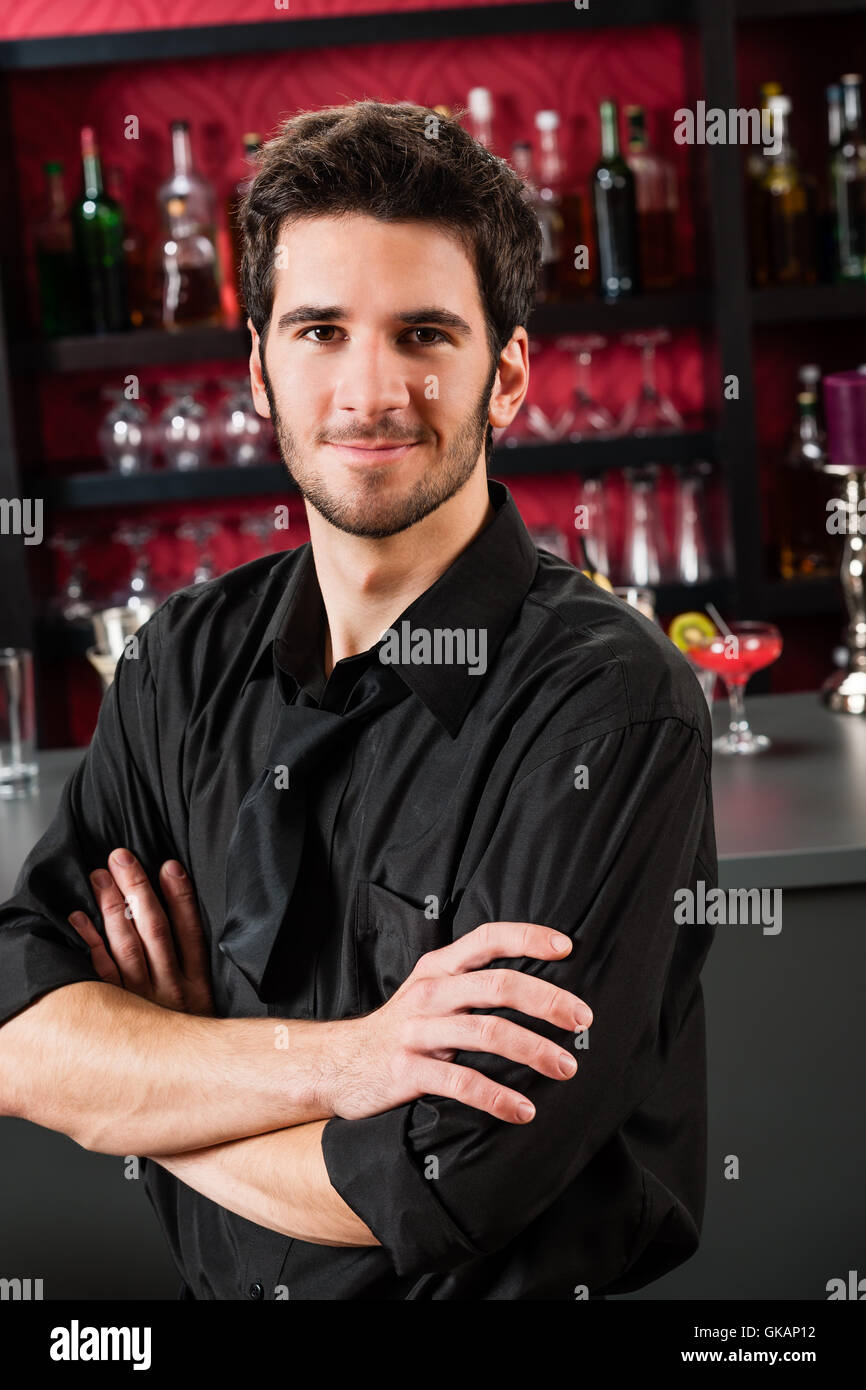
(114, 797)
(595, 839)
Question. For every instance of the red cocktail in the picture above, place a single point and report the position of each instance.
(736, 656)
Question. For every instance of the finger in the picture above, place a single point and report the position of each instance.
(507, 989)
(473, 1089)
(497, 1036)
(189, 937)
(99, 954)
(499, 940)
(153, 928)
(123, 939)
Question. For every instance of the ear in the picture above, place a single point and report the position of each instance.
(512, 380)
(260, 396)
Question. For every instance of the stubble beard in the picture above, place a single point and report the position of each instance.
(369, 512)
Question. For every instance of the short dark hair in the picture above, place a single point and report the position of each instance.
(400, 163)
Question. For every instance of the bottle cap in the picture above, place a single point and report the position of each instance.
(480, 104)
(547, 120)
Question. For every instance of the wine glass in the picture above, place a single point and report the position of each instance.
(649, 412)
(183, 428)
(200, 532)
(586, 418)
(735, 656)
(123, 433)
(239, 430)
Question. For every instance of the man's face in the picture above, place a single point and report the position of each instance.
(377, 371)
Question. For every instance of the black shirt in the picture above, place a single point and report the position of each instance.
(567, 784)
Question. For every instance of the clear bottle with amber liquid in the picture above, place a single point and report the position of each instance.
(805, 547)
(788, 210)
(189, 258)
(657, 200)
(252, 143)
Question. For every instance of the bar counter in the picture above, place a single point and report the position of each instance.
(786, 1033)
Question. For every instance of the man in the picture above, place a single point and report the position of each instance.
(434, 790)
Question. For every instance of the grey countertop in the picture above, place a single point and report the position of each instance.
(793, 817)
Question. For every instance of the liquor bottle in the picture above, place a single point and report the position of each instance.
(827, 213)
(756, 168)
(252, 143)
(848, 178)
(59, 307)
(614, 205)
(805, 548)
(789, 209)
(548, 202)
(657, 205)
(143, 310)
(190, 263)
(97, 223)
(480, 116)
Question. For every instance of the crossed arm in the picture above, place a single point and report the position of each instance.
(278, 1178)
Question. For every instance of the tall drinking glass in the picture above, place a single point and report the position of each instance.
(18, 767)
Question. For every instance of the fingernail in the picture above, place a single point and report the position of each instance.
(583, 1017)
(525, 1111)
(101, 878)
(560, 943)
(76, 919)
(122, 857)
(567, 1065)
(174, 869)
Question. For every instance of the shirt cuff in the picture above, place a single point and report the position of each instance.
(370, 1166)
(33, 962)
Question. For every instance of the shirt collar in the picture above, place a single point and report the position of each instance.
(483, 588)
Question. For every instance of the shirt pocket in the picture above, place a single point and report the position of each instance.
(391, 935)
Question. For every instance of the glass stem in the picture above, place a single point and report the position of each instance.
(736, 696)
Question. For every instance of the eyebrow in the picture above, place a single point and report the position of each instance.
(328, 313)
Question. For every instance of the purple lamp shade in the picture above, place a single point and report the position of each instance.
(845, 411)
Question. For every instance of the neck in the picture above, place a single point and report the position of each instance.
(366, 584)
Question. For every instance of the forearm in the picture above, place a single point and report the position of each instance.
(121, 1075)
(276, 1180)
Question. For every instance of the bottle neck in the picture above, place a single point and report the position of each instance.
(181, 150)
(56, 195)
(91, 172)
(834, 122)
(549, 160)
(609, 133)
(852, 108)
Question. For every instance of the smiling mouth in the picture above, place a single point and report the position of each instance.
(374, 453)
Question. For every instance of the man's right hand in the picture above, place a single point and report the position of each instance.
(404, 1049)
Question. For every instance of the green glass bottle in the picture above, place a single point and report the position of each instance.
(59, 309)
(98, 225)
(615, 207)
(848, 176)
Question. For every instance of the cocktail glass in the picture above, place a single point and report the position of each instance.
(736, 657)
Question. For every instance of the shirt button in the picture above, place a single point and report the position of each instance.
(256, 1291)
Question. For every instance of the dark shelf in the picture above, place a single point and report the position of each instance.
(152, 347)
(683, 598)
(282, 35)
(80, 490)
(808, 303)
(138, 348)
(783, 597)
(791, 9)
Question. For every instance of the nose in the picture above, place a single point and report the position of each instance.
(373, 379)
